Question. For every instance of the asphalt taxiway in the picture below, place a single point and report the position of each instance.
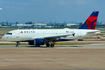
(92, 45)
(61, 57)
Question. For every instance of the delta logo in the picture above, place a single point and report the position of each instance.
(21, 31)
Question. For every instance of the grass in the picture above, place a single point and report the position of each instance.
(5, 30)
(102, 32)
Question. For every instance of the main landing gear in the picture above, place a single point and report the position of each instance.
(48, 45)
(17, 45)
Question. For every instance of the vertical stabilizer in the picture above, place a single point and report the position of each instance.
(90, 23)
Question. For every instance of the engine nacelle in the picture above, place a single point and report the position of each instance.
(39, 42)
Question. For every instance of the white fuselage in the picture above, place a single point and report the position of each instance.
(31, 34)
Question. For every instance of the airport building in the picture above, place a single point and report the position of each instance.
(70, 24)
(31, 24)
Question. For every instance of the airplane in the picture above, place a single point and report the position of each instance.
(50, 36)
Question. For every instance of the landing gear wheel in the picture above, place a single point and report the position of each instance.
(52, 45)
(47, 45)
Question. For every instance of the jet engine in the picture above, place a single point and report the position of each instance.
(39, 42)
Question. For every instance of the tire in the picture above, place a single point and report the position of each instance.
(52, 45)
(47, 45)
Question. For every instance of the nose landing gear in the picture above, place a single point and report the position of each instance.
(17, 45)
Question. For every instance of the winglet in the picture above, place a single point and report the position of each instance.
(90, 23)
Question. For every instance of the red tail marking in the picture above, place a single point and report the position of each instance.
(89, 22)
(94, 25)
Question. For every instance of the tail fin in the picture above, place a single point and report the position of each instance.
(90, 23)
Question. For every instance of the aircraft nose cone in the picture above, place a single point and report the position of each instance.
(3, 37)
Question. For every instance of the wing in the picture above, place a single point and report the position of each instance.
(54, 37)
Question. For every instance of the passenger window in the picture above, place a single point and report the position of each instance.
(33, 31)
(24, 31)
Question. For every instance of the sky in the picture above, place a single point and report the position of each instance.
(50, 10)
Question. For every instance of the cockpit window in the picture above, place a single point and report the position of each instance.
(9, 34)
